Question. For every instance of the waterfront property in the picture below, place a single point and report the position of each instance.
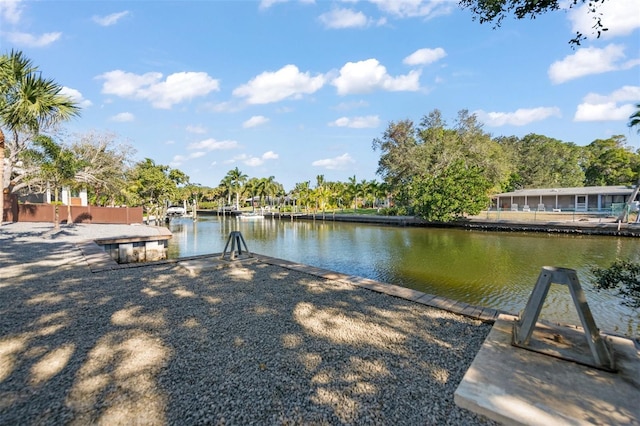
(601, 199)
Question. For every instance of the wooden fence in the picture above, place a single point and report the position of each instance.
(15, 212)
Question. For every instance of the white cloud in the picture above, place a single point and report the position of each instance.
(414, 8)
(623, 94)
(344, 18)
(341, 162)
(369, 121)
(595, 107)
(30, 40)
(265, 4)
(366, 76)
(109, 20)
(608, 111)
(254, 121)
(520, 117)
(617, 16)
(180, 159)
(176, 88)
(287, 82)
(425, 56)
(10, 10)
(587, 61)
(213, 145)
(75, 96)
(198, 130)
(123, 117)
(254, 161)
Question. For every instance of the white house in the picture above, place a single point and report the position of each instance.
(579, 199)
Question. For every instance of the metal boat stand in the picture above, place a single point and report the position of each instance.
(556, 341)
(237, 243)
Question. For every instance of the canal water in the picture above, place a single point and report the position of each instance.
(492, 269)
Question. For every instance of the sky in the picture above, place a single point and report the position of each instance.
(300, 88)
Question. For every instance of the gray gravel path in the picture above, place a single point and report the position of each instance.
(254, 344)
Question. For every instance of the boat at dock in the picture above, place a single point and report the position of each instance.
(250, 216)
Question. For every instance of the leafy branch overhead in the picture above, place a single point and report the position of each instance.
(494, 11)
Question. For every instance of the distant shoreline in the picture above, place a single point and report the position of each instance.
(609, 228)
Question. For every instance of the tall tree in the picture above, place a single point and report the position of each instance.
(253, 188)
(106, 162)
(28, 103)
(611, 162)
(351, 192)
(545, 162)
(399, 158)
(302, 193)
(236, 180)
(270, 188)
(413, 157)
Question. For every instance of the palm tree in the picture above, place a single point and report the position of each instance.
(270, 188)
(634, 119)
(58, 167)
(225, 188)
(352, 191)
(236, 179)
(253, 188)
(302, 192)
(28, 103)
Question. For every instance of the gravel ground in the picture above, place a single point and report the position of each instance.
(255, 344)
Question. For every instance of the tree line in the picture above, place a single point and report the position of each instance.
(441, 172)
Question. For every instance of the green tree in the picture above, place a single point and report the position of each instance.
(455, 191)
(412, 158)
(302, 194)
(58, 167)
(28, 103)
(235, 180)
(351, 192)
(252, 188)
(152, 185)
(611, 162)
(543, 162)
(494, 11)
(399, 159)
(622, 275)
(269, 188)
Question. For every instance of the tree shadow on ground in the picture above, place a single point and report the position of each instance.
(259, 344)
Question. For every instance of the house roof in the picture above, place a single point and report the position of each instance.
(583, 190)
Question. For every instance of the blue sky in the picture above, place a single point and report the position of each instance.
(299, 88)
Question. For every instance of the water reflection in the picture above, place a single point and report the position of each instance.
(497, 270)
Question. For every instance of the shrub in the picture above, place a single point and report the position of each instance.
(622, 275)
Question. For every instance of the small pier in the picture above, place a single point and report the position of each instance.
(137, 249)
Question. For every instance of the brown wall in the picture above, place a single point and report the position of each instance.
(14, 212)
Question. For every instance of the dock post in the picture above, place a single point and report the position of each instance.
(237, 243)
